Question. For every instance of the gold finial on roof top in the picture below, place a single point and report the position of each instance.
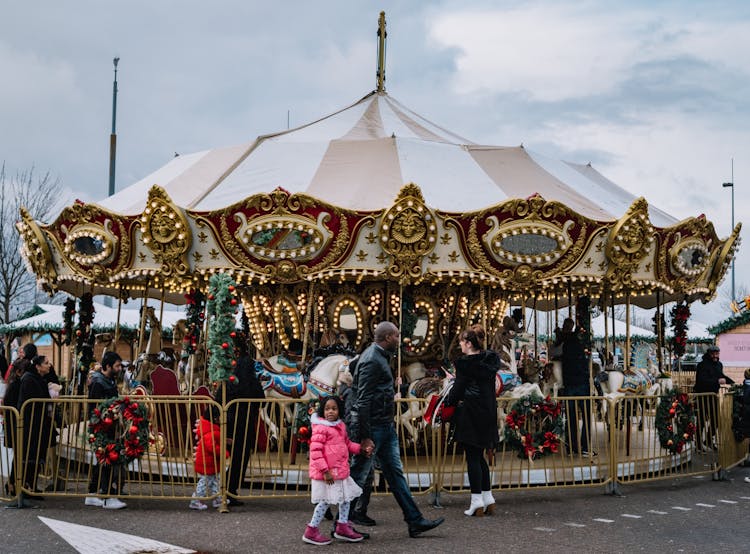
(382, 35)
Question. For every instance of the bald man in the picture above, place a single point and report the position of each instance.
(372, 423)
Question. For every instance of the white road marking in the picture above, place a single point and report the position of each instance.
(702, 505)
(681, 508)
(657, 512)
(545, 529)
(92, 540)
(632, 516)
(728, 501)
(745, 497)
(602, 520)
(574, 524)
(699, 476)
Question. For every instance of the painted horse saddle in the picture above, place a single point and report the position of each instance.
(292, 385)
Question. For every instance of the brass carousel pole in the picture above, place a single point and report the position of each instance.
(400, 322)
(659, 334)
(626, 365)
(482, 299)
(606, 333)
(308, 317)
(614, 333)
(142, 328)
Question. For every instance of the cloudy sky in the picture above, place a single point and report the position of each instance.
(653, 94)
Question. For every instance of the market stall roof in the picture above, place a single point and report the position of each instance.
(360, 157)
(105, 318)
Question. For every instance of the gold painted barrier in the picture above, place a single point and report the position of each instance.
(267, 439)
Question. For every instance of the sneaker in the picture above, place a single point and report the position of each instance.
(216, 503)
(93, 501)
(197, 505)
(747, 479)
(345, 532)
(589, 453)
(314, 536)
(114, 504)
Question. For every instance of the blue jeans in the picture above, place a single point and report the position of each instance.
(386, 452)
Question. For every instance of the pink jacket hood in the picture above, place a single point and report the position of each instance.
(330, 448)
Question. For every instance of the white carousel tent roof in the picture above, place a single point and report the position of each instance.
(361, 156)
(696, 329)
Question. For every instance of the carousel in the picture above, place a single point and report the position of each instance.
(374, 213)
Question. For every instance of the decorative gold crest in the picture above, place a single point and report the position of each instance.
(630, 240)
(408, 232)
(36, 250)
(166, 232)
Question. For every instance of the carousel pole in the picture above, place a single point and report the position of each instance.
(614, 333)
(570, 300)
(482, 302)
(627, 332)
(142, 328)
(308, 316)
(400, 322)
(659, 334)
(536, 330)
(606, 333)
(161, 308)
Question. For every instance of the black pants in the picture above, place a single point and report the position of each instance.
(106, 479)
(243, 444)
(477, 469)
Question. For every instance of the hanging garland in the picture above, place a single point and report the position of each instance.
(118, 431)
(302, 421)
(195, 301)
(550, 429)
(583, 321)
(737, 393)
(675, 421)
(731, 323)
(221, 309)
(85, 319)
(69, 312)
(680, 313)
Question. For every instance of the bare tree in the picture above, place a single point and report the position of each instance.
(39, 194)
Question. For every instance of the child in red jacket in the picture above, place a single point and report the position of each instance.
(329, 471)
(207, 451)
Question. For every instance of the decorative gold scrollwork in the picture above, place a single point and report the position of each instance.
(724, 258)
(408, 232)
(166, 232)
(90, 244)
(630, 240)
(36, 250)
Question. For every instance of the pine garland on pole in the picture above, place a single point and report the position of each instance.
(68, 314)
(196, 303)
(220, 309)
(680, 314)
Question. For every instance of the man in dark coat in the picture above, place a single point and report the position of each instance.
(104, 386)
(709, 376)
(242, 419)
(575, 369)
(371, 422)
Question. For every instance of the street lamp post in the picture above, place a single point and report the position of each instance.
(731, 185)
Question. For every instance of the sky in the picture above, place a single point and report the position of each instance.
(653, 94)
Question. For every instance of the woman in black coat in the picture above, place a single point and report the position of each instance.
(37, 422)
(9, 417)
(476, 417)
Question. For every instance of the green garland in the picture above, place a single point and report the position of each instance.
(221, 309)
(118, 431)
(675, 421)
(680, 314)
(550, 430)
(69, 313)
(194, 314)
(85, 321)
(730, 323)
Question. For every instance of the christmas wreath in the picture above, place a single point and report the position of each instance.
(535, 426)
(675, 421)
(118, 431)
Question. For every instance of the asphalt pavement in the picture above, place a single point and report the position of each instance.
(682, 515)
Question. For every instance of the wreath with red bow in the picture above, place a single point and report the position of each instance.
(535, 426)
(119, 431)
(675, 421)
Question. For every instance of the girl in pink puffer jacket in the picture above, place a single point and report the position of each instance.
(329, 471)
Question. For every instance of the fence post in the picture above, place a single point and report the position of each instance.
(224, 509)
(613, 484)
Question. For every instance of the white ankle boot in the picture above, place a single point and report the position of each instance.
(488, 501)
(477, 506)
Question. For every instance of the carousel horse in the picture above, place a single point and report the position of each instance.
(287, 385)
(504, 344)
(423, 387)
(148, 360)
(638, 380)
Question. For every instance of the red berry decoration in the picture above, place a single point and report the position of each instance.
(211, 297)
(233, 334)
(133, 430)
(233, 301)
(232, 378)
(225, 345)
(231, 288)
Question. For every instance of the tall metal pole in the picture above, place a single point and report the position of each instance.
(381, 53)
(113, 136)
(731, 185)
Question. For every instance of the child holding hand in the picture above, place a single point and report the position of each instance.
(329, 471)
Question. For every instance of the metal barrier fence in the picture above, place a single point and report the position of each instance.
(257, 449)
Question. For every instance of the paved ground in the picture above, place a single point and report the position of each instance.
(684, 515)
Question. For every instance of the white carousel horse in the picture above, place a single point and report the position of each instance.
(106, 340)
(420, 387)
(148, 360)
(293, 385)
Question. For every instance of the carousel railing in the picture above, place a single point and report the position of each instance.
(623, 448)
(9, 456)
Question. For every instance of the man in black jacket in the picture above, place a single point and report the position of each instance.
(242, 419)
(709, 376)
(103, 386)
(372, 423)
